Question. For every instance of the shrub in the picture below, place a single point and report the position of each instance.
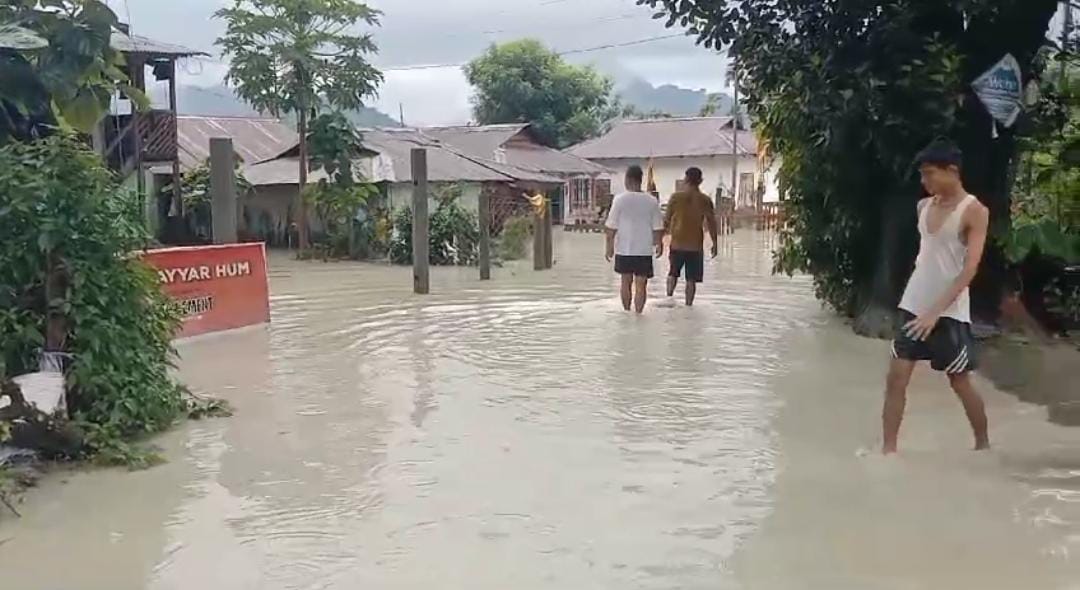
(67, 230)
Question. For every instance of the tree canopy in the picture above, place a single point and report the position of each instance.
(300, 56)
(846, 93)
(57, 67)
(523, 81)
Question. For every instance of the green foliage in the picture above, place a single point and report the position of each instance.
(454, 237)
(334, 144)
(57, 68)
(514, 239)
(337, 207)
(523, 81)
(846, 93)
(61, 215)
(1046, 203)
(196, 197)
(294, 55)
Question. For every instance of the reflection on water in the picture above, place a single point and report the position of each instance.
(525, 433)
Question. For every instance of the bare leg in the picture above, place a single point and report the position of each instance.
(626, 290)
(641, 285)
(973, 407)
(895, 401)
(691, 292)
(672, 282)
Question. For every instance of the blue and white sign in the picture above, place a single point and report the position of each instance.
(1001, 90)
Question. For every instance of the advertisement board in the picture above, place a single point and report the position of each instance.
(220, 287)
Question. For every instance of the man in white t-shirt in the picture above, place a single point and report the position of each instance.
(635, 231)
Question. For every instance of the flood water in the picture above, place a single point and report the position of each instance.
(527, 434)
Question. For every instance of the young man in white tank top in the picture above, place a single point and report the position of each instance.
(935, 312)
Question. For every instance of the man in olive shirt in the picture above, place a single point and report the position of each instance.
(689, 211)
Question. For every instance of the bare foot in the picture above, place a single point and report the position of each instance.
(888, 450)
(983, 445)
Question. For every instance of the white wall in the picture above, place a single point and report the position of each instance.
(666, 171)
(401, 194)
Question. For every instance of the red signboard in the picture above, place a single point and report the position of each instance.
(220, 287)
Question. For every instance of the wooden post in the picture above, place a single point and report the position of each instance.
(549, 251)
(538, 241)
(420, 250)
(178, 201)
(302, 236)
(222, 190)
(484, 214)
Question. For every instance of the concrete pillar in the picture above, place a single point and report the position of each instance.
(421, 254)
(223, 190)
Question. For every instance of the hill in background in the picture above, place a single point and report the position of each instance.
(669, 99)
(219, 101)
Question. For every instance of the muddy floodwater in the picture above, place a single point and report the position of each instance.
(527, 434)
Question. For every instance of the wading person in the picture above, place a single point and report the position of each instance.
(635, 229)
(689, 211)
(935, 311)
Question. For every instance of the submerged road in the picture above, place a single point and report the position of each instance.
(527, 434)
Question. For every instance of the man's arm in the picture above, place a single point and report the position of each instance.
(611, 228)
(658, 229)
(672, 203)
(710, 222)
(977, 221)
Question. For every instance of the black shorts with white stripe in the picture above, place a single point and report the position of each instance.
(949, 348)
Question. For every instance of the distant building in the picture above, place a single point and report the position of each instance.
(268, 210)
(585, 184)
(673, 145)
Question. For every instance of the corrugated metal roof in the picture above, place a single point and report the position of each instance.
(127, 43)
(667, 138)
(446, 163)
(517, 147)
(392, 162)
(478, 140)
(254, 139)
(279, 171)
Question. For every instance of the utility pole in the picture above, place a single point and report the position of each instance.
(420, 249)
(735, 135)
(1066, 33)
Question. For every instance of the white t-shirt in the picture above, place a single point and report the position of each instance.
(634, 217)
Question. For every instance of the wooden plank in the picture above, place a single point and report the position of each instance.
(223, 190)
(421, 253)
(484, 215)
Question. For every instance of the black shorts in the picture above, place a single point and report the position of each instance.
(949, 348)
(693, 261)
(639, 266)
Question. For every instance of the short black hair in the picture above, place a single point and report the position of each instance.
(941, 153)
(694, 175)
(635, 173)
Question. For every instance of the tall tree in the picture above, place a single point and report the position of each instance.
(523, 81)
(296, 56)
(57, 67)
(846, 93)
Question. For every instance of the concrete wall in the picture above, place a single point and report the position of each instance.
(266, 213)
(666, 171)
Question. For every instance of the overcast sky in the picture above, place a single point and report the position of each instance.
(433, 32)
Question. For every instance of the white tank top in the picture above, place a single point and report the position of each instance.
(941, 259)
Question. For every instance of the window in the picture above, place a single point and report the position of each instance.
(747, 192)
(580, 194)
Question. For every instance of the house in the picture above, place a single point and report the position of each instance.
(268, 211)
(670, 146)
(132, 141)
(255, 139)
(584, 183)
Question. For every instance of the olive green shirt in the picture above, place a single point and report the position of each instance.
(688, 214)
